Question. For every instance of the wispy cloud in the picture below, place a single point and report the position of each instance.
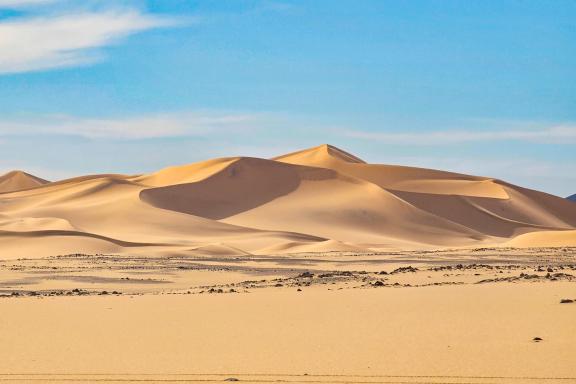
(557, 134)
(15, 4)
(47, 41)
(139, 127)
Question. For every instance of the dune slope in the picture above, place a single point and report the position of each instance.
(486, 205)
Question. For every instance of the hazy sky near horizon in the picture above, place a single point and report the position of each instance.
(131, 86)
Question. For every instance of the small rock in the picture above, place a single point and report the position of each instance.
(404, 270)
(306, 274)
(378, 284)
(566, 301)
(537, 339)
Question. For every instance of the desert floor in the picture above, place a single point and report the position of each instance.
(449, 316)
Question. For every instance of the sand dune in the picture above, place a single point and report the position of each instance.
(317, 200)
(266, 194)
(487, 205)
(544, 239)
(311, 247)
(18, 181)
(394, 176)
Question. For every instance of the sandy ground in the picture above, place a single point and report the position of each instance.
(412, 317)
(459, 334)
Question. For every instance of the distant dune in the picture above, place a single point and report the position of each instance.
(18, 181)
(318, 200)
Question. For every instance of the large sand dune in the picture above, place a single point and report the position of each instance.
(316, 200)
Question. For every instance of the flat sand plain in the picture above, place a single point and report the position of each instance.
(447, 316)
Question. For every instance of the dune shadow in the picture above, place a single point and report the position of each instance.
(241, 186)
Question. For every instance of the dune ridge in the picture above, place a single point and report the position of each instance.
(18, 181)
(320, 199)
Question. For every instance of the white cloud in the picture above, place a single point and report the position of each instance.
(562, 134)
(52, 41)
(140, 127)
(14, 4)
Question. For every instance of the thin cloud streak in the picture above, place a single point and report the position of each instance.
(16, 4)
(561, 134)
(132, 128)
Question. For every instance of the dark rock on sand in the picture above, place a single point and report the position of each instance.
(306, 274)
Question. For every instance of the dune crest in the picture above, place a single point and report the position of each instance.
(18, 181)
(317, 200)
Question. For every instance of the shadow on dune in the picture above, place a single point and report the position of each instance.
(243, 185)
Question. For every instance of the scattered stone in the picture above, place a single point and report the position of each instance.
(566, 301)
(404, 270)
(378, 284)
(298, 290)
(537, 339)
(306, 274)
(232, 379)
(278, 285)
(528, 277)
(104, 293)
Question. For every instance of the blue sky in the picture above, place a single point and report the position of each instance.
(480, 87)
